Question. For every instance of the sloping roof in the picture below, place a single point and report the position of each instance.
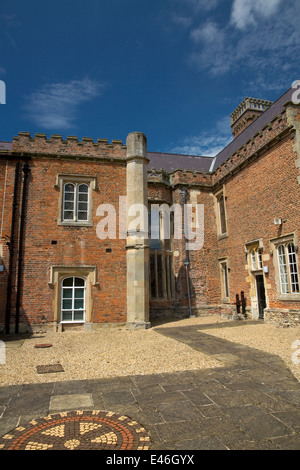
(171, 162)
(276, 108)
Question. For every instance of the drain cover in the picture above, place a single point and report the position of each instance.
(47, 369)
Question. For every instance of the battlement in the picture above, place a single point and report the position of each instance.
(249, 103)
(40, 144)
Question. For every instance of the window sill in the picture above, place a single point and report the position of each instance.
(289, 297)
(224, 235)
(75, 224)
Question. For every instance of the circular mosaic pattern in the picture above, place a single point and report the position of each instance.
(78, 430)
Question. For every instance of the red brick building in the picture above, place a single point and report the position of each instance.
(60, 265)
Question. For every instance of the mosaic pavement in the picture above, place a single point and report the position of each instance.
(80, 430)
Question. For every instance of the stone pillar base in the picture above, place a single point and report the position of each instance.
(141, 325)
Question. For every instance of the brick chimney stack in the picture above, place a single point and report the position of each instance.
(249, 110)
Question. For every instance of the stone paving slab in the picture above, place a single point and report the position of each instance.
(250, 402)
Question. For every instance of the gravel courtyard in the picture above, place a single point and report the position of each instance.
(113, 352)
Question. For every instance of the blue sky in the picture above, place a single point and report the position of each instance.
(173, 69)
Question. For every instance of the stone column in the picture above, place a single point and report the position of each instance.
(137, 234)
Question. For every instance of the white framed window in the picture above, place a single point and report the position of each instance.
(75, 202)
(288, 268)
(253, 260)
(73, 300)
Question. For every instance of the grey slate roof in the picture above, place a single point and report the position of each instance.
(171, 162)
(267, 116)
(5, 146)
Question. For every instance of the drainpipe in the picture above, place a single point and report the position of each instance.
(26, 171)
(11, 253)
(186, 261)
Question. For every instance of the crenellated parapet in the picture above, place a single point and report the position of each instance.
(272, 133)
(56, 145)
(191, 178)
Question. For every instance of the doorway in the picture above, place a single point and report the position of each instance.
(261, 295)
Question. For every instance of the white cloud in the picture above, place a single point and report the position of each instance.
(206, 143)
(269, 48)
(209, 33)
(55, 105)
(203, 5)
(249, 12)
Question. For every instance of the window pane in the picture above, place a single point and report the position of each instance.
(82, 215)
(79, 293)
(225, 280)
(79, 281)
(67, 293)
(253, 259)
(67, 304)
(78, 304)
(69, 187)
(83, 188)
(82, 206)
(284, 285)
(293, 268)
(68, 281)
(66, 316)
(223, 227)
(83, 197)
(68, 206)
(78, 315)
(259, 255)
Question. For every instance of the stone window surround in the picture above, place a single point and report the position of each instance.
(274, 244)
(61, 180)
(256, 246)
(58, 273)
(224, 262)
(217, 195)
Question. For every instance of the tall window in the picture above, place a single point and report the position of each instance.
(288, 269)
(75, 202)
(224, 280)
(161, 258)
(222, 215)
(73, 300)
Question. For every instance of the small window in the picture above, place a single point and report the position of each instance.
(73, 300)
(221, 204)
(253, 260)
(259, 258)
(224, 280)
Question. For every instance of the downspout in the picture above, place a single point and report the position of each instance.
(26, 171)
(186, 261)
(11, 253)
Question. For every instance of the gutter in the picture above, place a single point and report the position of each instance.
(11, 253)
(26, 171)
